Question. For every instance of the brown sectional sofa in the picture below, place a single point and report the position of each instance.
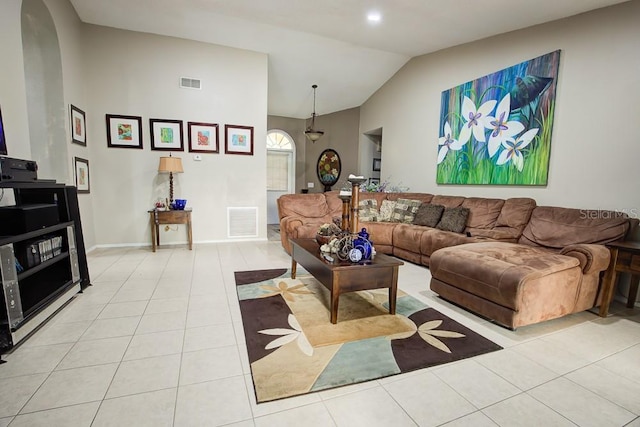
(516, 263)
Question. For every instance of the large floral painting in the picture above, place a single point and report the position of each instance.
(497, 129)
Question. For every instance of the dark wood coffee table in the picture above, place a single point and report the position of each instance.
(340, 276)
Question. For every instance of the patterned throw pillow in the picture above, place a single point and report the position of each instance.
(454, 219)
(368, 210)
(386, 209)
(428, 215)
(405, 210)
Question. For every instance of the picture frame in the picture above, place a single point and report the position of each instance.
(203, 137)
(166, 135)
(81, 167)
(78, 126)
(238, 139)
(124, 131)
(377, 164)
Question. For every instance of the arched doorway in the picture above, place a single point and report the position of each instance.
(44, 87)
(281, 154)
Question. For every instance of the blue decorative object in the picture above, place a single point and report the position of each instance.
(363, 243)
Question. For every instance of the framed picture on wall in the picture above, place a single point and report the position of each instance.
(203, 137)
(78, 126)
(166, 135)
(238, 139)
(377, 163)
(124, 131)
(82, 175)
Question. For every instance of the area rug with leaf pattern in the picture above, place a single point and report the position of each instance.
(294, 348)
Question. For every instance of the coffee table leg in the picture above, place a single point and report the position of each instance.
(335, 297)
(633, 291)
(294, 265)
(393, 292)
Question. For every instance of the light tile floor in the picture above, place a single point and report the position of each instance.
(157, 341)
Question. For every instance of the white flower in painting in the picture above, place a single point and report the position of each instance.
(475, 119)
(501, 127)
(512, 149)
(447, 143)
(289, 335)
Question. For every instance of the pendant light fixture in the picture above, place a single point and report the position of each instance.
(311, 133)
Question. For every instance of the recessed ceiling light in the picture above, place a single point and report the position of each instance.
(374, 17)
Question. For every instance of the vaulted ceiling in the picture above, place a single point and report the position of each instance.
(329, 42)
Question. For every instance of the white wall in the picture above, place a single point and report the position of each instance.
(119, 72)
(595, 146)
(13, 100)
(70, 38)
(130, 73)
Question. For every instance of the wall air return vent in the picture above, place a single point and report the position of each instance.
(189, 83)
(242, 222)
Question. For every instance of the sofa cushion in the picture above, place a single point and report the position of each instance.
(483, 213)
(334, 203)
(516, 213)
(305, 205)
(433, 239)
(386, 210)
(556, 227)
(447, 201)
(428, 215)
(454, 219)
(507, 274)
(423, 197)
(378, 197)
(405, 210)
(368, 210)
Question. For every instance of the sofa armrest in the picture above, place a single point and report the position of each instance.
(593, 258)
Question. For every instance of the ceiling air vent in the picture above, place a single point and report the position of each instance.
(242, 222)
(189, 83)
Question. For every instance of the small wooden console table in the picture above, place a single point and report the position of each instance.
(158, 217)
(625, 258)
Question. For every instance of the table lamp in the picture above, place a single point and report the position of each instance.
(172, 165)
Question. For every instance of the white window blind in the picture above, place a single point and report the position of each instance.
(277, 171)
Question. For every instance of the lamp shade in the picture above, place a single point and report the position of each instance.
(313, 135)
(170, 164)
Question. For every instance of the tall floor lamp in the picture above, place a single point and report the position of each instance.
(171, 165)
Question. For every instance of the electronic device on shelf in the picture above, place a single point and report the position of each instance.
(18, 170)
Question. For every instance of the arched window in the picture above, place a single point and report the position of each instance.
(280, 150)
(281, 155)
(279, 140)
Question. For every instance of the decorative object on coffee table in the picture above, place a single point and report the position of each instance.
(355, 181)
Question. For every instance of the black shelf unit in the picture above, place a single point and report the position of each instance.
(35, 286)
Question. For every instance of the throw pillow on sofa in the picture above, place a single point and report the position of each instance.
(368, 210)
(386, 210)
(428, 215)
(405, 210)
(454, 219)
